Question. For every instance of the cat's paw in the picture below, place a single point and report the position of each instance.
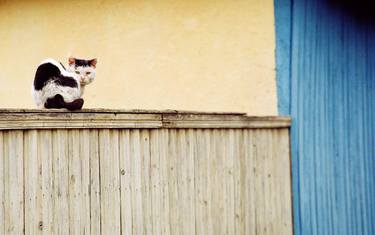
(75, 105)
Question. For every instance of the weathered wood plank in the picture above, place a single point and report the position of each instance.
(201, 182)
(146, 194)
(180, 169)
(119, 111)
(217, 181)
(174, 202)
(109, 181)
(247, 183)
(260, 209)
(75, 186)
(78, 120)
(13, 182)
(84, 152)
(164, 170)
(136, 181)
(156, 189)
(55, 119)
(190, 180)
(61, 182)
(185, 182)
(79, 177)
(231, 143)
(2, 179)
(95, 218)
(283, 171)
(222, 121)
(45, 180)
(32, 187)
(125, 181)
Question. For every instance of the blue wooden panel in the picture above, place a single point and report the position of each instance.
(283, 31)
(332, 103)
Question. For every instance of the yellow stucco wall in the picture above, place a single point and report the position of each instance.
(189, 55)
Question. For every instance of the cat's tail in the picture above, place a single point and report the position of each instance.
(57, 102)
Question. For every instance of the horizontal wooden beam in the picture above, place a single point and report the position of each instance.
(99, 119)
(123, 111)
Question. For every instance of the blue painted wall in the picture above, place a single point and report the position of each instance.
(326, 81)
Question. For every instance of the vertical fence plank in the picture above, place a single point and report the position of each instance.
(232, 150)
(190, 180)
(125, 181)
(185, 180)
(174, 202)
(239, 155)
(274, 176)
(61, 182)
(156, 195)
(84, 158)
(95, 220)
(6, 181)
(32, 216)
(79, 177)
(136, 181)
(146, 195)
(13, 182)
(2, 183)
(109, 181)
(181, 179)
(200, 175)
(209, 154)
(75, 182)
(247, 183)
(164, 169)
(216, 181)
(46, 181)
(284, 176)
(261, 202)
(267, 181)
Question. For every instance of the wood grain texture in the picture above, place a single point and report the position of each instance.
(13, 182)
(145, 181)
(102, 119)
(2, 185)
(61, 201)
(109, 181)
(94, 190)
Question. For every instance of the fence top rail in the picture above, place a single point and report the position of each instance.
(113, 118)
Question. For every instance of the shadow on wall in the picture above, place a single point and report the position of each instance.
(362, 11)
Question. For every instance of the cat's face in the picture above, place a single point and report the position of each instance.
(85, 69)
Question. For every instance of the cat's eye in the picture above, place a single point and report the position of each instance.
(88, 73)
(77, 72)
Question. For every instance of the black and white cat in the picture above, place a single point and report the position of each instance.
(57, 87)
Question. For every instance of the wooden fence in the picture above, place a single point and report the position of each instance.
(143, 172)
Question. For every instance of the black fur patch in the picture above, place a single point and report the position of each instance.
(49, 71)
(65, 81)
(44, 73)
(56, 102)
(84, 63)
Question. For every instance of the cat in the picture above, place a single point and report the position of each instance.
(57, 87)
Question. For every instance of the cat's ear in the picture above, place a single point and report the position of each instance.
(71, 60)
(93, 62)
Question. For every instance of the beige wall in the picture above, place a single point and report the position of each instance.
(189, 55)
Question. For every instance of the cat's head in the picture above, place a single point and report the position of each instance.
(85, 69)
